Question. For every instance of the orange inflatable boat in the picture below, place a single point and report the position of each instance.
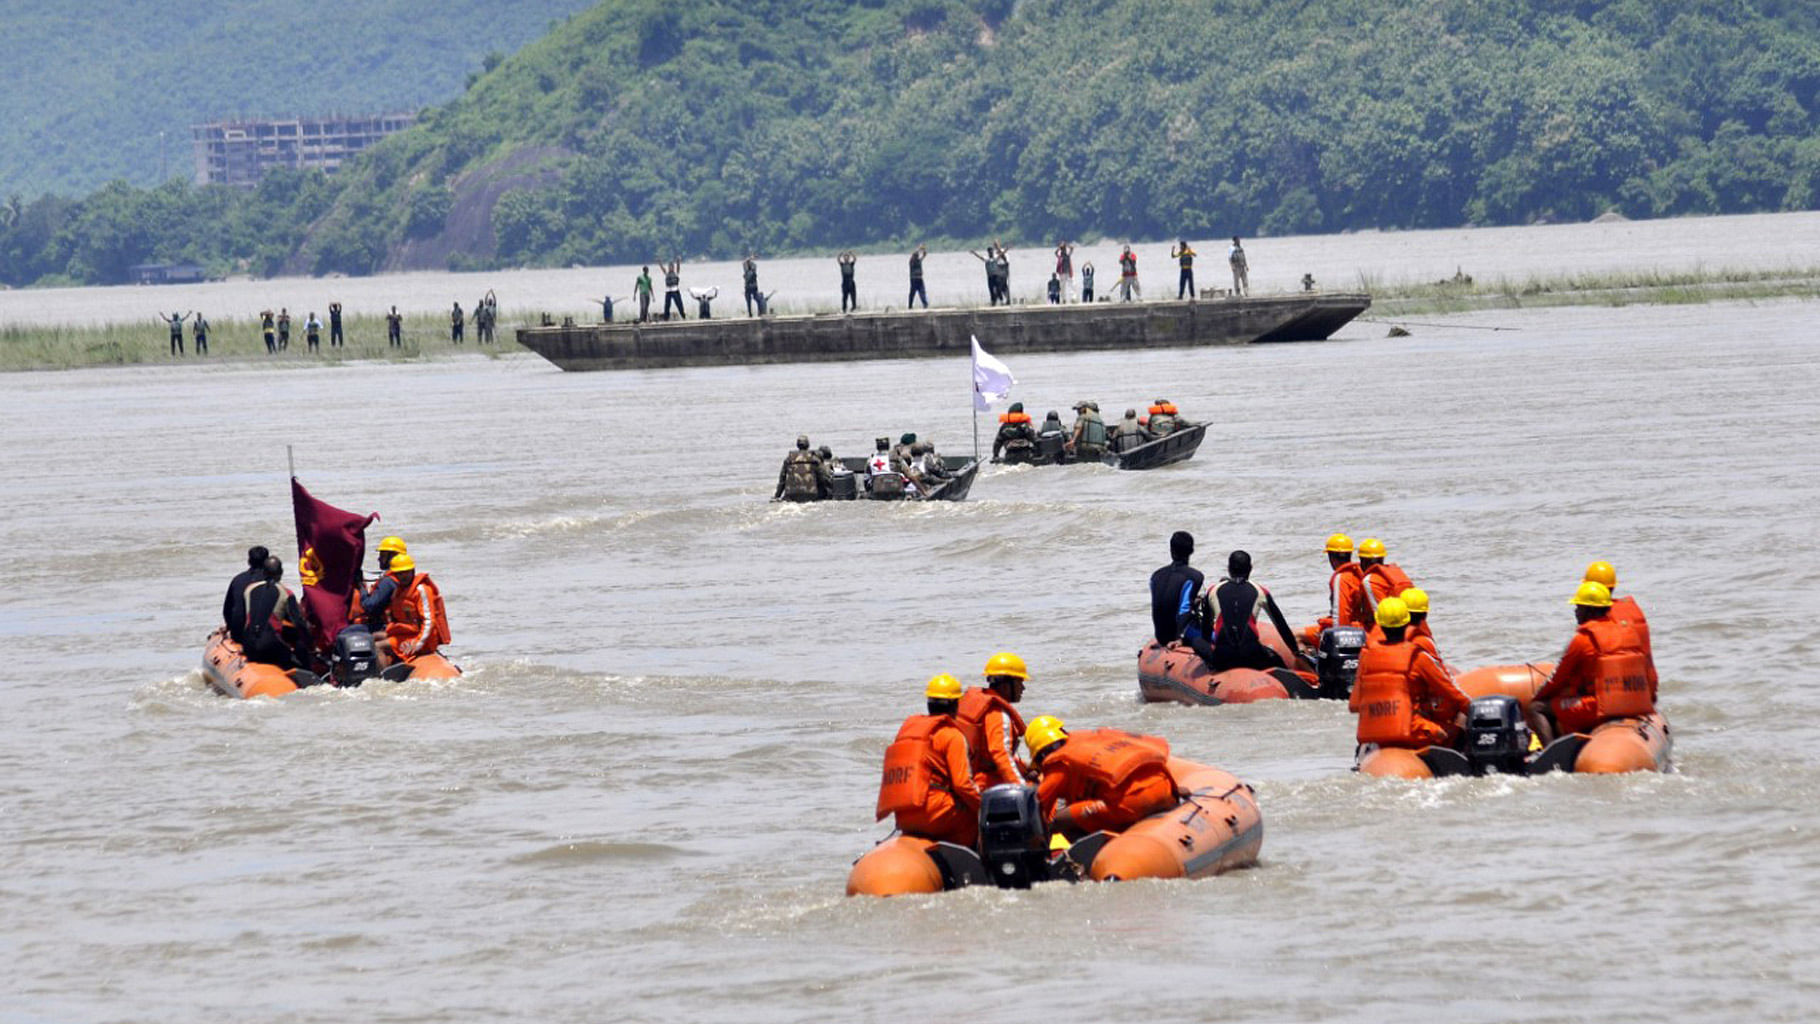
(1497, 740)
(1176, 673)
(225, 667)
(1216, 827)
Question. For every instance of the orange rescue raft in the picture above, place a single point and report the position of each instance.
(1176, 673)
(1217, 827)
(225, 667)
(1615, 746)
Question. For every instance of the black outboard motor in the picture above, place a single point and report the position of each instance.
(844, 486)
(352, 660)
(1497, 737)
(1014, 845)
(1337, 664)
(1049, 446)
(887, 486)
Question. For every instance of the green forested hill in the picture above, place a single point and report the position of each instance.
(89, 84)
(712, 126)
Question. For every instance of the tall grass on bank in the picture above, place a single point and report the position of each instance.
(1615, 288)
(239, 340)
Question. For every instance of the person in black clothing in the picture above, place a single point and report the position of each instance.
(916, 277)
(1236, 603)
(275, 628)
(335, 338)
(1176, 601)
(201, 327)
(233, 607)
(849, 290)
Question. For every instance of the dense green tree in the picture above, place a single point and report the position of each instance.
(646, 128)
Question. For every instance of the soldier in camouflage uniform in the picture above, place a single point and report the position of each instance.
(804, 476)
(1088, 439)
(1129, 433)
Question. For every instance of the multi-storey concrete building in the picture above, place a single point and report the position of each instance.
(240, 152)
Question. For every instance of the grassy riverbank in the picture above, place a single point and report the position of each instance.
(34, 347)
(1624, 288)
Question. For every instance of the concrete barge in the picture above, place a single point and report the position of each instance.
(919, 334)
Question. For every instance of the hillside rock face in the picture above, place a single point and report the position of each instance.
(468, 228)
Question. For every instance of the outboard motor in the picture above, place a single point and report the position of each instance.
(1497, 737)
(1337, 664)
(844, 486)
(1014, 845)
(887, 486)
(1049, 446)
(352, 659)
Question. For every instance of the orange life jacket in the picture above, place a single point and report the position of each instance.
(971, 718)
(1358, 610)
(1014, 417)
(1625, 610)
(1620, 676)
(415, 636)
(1388, 575)
(1387, 713)
(1101, 761)
(911, 766)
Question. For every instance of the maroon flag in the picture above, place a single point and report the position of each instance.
(331, 544)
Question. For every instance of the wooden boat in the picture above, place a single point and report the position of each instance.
(1215, 828)
(1177, 446)
(1615, 746)
(226, 669)
(851, 485)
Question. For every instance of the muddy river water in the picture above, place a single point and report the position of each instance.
(641, 801)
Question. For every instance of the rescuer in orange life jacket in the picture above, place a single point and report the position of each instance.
(1417, 632)
(373, 602)
(1403, 697)
(1603, 674)
(1383, 579)
(1625, 610)
(927, 781)
(1346, 601)
(416, 622)
(1109, 780)
(993, 727)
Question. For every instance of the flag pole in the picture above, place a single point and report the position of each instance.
(290, 457)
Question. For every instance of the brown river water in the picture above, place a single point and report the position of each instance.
(641, 802)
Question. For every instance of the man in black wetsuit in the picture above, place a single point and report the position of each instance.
(1236, 604)
(276, 631)
(233, 607)
(1175, 598)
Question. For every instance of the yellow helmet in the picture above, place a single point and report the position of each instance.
(943, 687)
(1591, 594)
(1043, 732)
(1603, 574)
(1339, 544)
(1392, 612)
(393, 544)
(1415, 599)
(1004, 663)
(1371, 547)
(402, 563)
